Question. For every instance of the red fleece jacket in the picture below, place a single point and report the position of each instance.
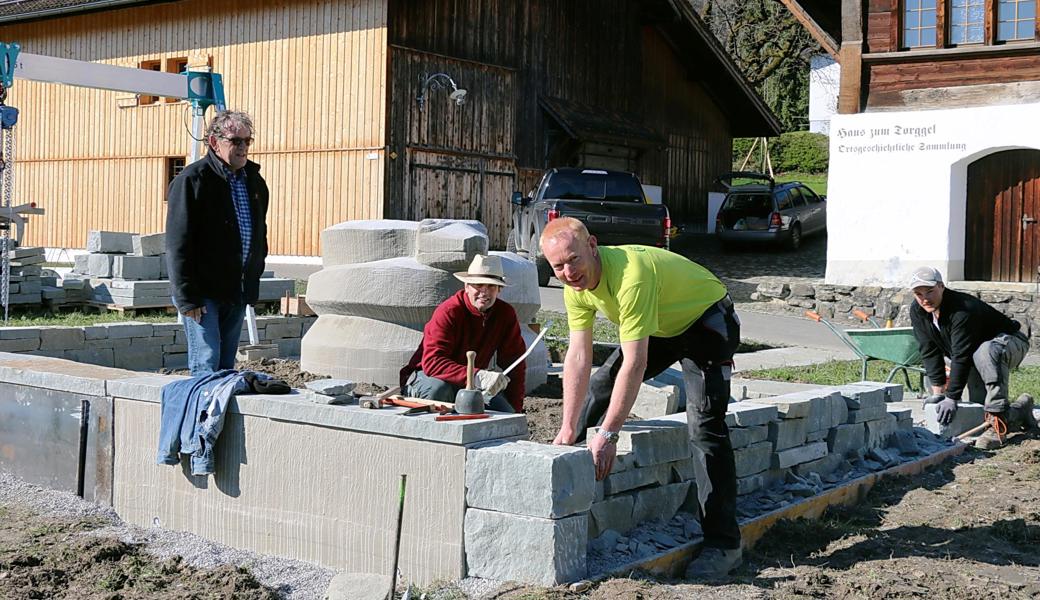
(456, 327)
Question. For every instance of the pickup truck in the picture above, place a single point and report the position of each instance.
(610, 203)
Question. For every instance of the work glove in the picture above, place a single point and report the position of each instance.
(945, 409)
(491, 382)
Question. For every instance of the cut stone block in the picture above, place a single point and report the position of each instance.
(787, 433)
(637, 478)
(755, 458)
(659, 502)
(449, 244)
(839, 410)
(613, 513)
(846, 438)
(859, 396)
(275, 288)
(653, 442)
(654, 401)
(863, 415)
(740, 437)
(358, 586)
(522, 292)
(164, 272)
(94, 356)
(256, 352)
(291, 329)
(820, 466)
(537, 480)
(358, 349)
(135, 267)
(99, 265)
(61, 338)
(900, 413)
(749, 414)
(82, 264)
(801, 454)
(683, 470)
(968, 416)
(893, 392)
(364, 241)
(816, 436)
(759, 481)
(396, 290)
(153, 244)
(789, 406)
(110, 242)
(507, 547)
(129, 329)
(880, 432)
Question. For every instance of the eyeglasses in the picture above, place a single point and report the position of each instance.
(239, 142)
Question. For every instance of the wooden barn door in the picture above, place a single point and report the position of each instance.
(1002, 237)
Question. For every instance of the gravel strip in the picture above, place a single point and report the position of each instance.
(292, 579)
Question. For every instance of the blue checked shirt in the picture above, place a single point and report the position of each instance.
(240, 198)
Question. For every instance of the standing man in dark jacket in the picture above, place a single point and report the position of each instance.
(216, 242)
(982, 345)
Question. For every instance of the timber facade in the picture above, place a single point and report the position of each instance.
(333, 87)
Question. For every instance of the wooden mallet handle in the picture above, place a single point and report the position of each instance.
(471, 358)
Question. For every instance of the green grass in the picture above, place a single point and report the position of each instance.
(1024, 379)
(37, 317)
(817, 182)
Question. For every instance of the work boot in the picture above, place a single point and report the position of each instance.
(714, 563)
(1020, 415)
(994, 436)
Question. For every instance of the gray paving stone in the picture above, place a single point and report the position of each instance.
(20, 345)
(846, 438)
(741, 437)
(659, 502)
(507, 547)
(859, 396)
(787, 433)
(19, 333)
(135, 267)
(110, 241)
(749, 414)
(612, 513)
(153, 244)
(801, 454)
(538, 480)
(130, 329)
(637, 478)
(863, 415)
(968, 416)
(753, 459)
(893, 392)
(821, 466)
(61, 338)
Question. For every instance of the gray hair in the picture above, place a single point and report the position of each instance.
(228, 119)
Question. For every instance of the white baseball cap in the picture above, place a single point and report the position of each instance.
(925, 277)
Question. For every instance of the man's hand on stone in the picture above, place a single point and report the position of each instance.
(565, 437)
(945, 410)
(491, 382)
(195, 313)
(603, 453)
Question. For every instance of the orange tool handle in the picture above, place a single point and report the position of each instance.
(813, 315)
(460, 417)
(862, 316)
(404, 403)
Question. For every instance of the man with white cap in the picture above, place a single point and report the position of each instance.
(471, 319)
(982, 345)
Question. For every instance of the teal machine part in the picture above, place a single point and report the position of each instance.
(205, 90)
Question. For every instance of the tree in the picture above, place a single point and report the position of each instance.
(771, 48)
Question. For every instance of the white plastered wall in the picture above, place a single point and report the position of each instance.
(897, 187)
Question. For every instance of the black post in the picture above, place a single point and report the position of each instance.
(397, 539)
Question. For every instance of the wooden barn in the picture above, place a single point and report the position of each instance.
(935, 155)
(341, 133)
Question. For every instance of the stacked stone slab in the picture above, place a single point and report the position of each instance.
(379, 285)
(26, 270)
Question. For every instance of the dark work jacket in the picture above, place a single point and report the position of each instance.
(203, 246)
(965, 322)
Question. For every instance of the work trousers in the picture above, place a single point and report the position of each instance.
(705, 351)
(991, 368)
(421, 385)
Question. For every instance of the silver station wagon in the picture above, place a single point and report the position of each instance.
(766, 211)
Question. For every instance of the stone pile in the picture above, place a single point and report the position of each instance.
(26, 270)
(129, 270)
(379, 285)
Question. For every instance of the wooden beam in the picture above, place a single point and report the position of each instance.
(989, 22)
(1036, 22)
(940, 24)
(814, 29)
(895, 24)
(850, 93)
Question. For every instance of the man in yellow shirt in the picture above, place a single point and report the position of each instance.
(668, 309)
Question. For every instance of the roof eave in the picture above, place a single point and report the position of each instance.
(57, 12)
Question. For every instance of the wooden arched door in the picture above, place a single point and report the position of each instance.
(1002, 236)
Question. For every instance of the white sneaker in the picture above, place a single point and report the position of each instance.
(714, 563)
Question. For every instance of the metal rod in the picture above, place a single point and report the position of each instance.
(397, 539)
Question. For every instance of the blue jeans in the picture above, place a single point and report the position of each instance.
(421, 385)
(213, 342)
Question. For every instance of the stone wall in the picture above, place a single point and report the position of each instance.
(139, 346)
(838, 301)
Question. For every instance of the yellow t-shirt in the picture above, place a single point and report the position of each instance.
(646, 291)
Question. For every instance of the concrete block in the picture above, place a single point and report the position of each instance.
(636, 478)
(612, 513)
(61, 338)
(129, 329)
(448, 244)
(863, 395)
(755, 458)
(846, 438)
(359, 349)
(659, 502)
(821, 466)
(740, 437)
(749, 414)
(507, 547)
(801, 454)
(135, 267)
(522, 292)
(99, 265)
(787, 433)
(110, 241)
(537, 480)
(654, 442)
(153, 244)
(255, 352)
(654, 401)
(93, 356)
(396, 290)
(863, 415)
(969, 415)
(364, 241)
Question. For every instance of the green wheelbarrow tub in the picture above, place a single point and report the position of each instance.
(896, 344)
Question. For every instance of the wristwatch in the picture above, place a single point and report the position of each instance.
(611, 437)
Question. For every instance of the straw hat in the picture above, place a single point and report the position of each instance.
(484, 269)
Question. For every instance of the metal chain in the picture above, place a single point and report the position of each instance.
(7, 193)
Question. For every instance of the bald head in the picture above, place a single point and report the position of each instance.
(572, 253)
(566, 227)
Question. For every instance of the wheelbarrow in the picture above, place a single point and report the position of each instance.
(894, 344)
